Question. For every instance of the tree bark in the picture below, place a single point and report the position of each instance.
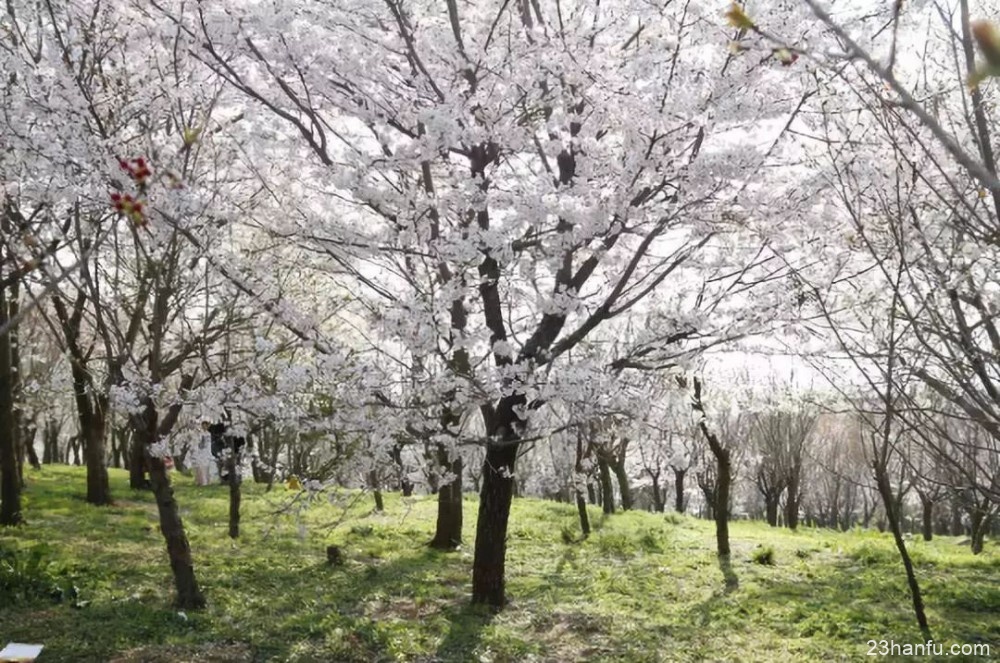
(235, 496)
(979, 525)
(623, 484)
(607, 490)
(885, 490)
(10, 484)
(658, 499)
(792, 502)
(488, 566)
(679, 490)
(448, 528)
(771, 503)
(189, 595)
(927, 509)
(137, 465)
(721, 507)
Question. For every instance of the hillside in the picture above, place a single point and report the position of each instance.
(644, 587)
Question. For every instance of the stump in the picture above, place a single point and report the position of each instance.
(334, 556)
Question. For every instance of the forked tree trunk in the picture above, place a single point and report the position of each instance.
(624, 487)
(189, 596)
(448, 528)
(607, 490)
(658, 505)
(979, 522)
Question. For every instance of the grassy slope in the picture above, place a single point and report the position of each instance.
(644, 587)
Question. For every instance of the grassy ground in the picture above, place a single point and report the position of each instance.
(644, 587)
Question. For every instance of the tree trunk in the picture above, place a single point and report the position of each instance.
(607, 490)
(591, 493)
(792, 503)
(721, 506)
(10, 484)
(771, 508)
(189, 596)
(927, 508)
(623, 485)
(885, 490)
(448, 528)
(679, 490)
(979, 525)
(658, 505)
(137, 467)
(488, 566)
(98, 488)
(235, 496)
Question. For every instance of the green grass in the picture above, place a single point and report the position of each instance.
(643, 587)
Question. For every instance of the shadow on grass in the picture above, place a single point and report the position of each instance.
(730, 577)
(366, 608)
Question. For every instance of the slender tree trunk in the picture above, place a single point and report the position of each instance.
(10, 484)
(189, 595)
(927, 509)
(679, 490)
(885, 490)
(721, 507)
(607, 490)
(581, 502)
(448, 528)
(591, 494)
(235, 496)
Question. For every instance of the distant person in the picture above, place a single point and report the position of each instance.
(223, 447)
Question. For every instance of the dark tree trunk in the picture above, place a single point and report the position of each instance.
(488, 566)
(235, 496)
(658, 499)
(32, 454)
(792, 502)
(721, 506)
(50, 442)
(591, 493)
(607, 490)
(979, 522)
(405, 485)
(679, 490)
(10, 483)
(137, 466)
(581, 502)
(771, 502)
(927, 509)
(448, 528)
(189, 596)
(623, 484)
